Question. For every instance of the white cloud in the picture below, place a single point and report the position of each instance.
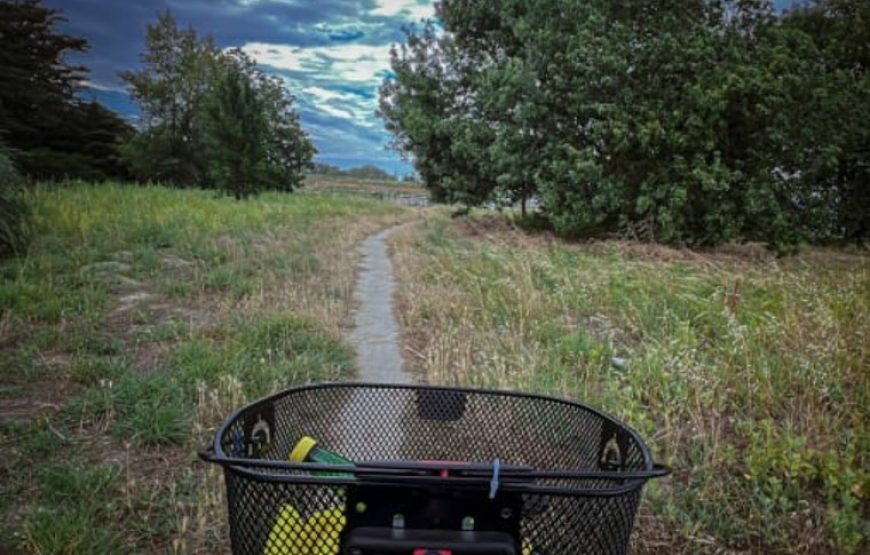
(324, 78)
(411, 9)
(103, 87)
(326, 95)
(331, 110)
(345, 62)
(344, 105)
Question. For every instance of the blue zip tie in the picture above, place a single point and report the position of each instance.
(237, 444)
(493, 483)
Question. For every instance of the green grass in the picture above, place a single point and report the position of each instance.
(759, 400)
(75, 501)
(140, 317)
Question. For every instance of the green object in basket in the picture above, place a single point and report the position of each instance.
(306, 450)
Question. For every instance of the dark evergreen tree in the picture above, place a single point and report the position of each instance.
(53, 133)
(37, 82)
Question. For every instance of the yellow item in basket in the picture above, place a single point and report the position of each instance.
(317, 535)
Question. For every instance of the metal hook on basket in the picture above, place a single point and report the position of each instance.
(493, 483)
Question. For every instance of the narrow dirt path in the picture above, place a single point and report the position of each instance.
(375, 334)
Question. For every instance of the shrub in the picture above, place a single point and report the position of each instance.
(14, 210)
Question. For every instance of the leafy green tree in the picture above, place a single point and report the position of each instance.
(178, 69)
(252, 134)
(289, 150)
(697, 122)
(212, 118)
(834, 137)
(362, 172)
(234, 126)
(426, 108)
(370, 172)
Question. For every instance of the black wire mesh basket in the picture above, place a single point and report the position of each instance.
(419, 470)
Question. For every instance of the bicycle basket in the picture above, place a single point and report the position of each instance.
(435, 470)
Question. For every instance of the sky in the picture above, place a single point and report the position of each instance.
(333, 55)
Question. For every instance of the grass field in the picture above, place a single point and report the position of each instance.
(381, 190)
(746, 373)
(139, 319)
(143, 315)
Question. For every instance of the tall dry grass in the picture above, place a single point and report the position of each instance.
(747, 374)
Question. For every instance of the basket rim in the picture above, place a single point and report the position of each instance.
(231, 464)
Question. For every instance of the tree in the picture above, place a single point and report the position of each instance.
(428, 109)
(32, 60)
(835, 140)
(319, 168)
(252, 135)
(289, 151)
(696, 123)
(235, 126)
(369, 172)
(52, 132)
(178, 69)
(212, 118)
(85, 145)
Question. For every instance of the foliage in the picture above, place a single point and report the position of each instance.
(212, 118)
(834, 144)
(177, 70)
(699, 122)
(14, 210)
(235, 128)
(425, 107)
(319, 168)
(54, 134)
(32, 61)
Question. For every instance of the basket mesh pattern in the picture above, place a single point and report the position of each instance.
(278, 512)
